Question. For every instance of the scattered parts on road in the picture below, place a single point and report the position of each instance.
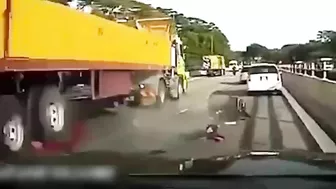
(213, 134)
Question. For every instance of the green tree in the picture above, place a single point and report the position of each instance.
(323, 46)
(256, 50)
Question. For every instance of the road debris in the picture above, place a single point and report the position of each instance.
(183, 111)
(212, 133)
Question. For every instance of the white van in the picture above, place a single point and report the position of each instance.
(264, 78)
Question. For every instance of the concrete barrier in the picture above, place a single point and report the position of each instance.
(317, 97)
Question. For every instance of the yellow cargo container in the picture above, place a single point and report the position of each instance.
(3, 6)
(214, 64)
(44, 35)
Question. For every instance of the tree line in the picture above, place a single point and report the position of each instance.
(323, 46)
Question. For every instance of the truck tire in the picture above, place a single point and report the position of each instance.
(55, 114)
(178, 90)
(161, 95)
(15, 130)
(185, 85)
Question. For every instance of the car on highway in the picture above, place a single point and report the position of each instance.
(244, 74)
(263, 77)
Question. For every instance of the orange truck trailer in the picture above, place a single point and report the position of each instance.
(51, 55)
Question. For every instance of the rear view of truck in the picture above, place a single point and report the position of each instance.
(214, 65)
(54, 58)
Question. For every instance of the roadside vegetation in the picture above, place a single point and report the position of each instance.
(323, 46)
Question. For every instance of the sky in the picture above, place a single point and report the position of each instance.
(272, 23)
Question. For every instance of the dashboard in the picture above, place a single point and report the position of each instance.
(235, 182)
(199, 182)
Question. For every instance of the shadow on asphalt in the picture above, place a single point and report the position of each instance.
(93, 109)
(232, 83)
(230, 93)
(194, 135)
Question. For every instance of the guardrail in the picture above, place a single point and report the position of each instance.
(310, 70)
(315, 91)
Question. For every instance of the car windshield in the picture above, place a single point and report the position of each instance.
(262, 69)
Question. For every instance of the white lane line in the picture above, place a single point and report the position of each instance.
(183, 111)
(219, 112)
(230, 123)
(325, 143)
(194, 78)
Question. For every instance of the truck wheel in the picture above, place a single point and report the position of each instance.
(15, 130)
(161, 96)
(55, 114)
(175, 93)
(185, 86)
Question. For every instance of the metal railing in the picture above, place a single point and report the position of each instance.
(311, 70)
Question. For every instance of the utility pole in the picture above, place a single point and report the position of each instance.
(212, 45)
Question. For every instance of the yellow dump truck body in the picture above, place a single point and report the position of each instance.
(2, 31)
(216, 61)
(45, 35)
(160, 26)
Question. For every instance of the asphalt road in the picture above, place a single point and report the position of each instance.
(177, 130)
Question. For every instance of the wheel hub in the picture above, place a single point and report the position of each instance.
(55, 113)
(14, 133)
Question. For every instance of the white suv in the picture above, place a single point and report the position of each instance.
(264, 78)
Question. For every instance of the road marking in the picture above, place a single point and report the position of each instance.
(219, 111)
(194, 78)
(230, 123)
(322, 139)
(183, 111)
